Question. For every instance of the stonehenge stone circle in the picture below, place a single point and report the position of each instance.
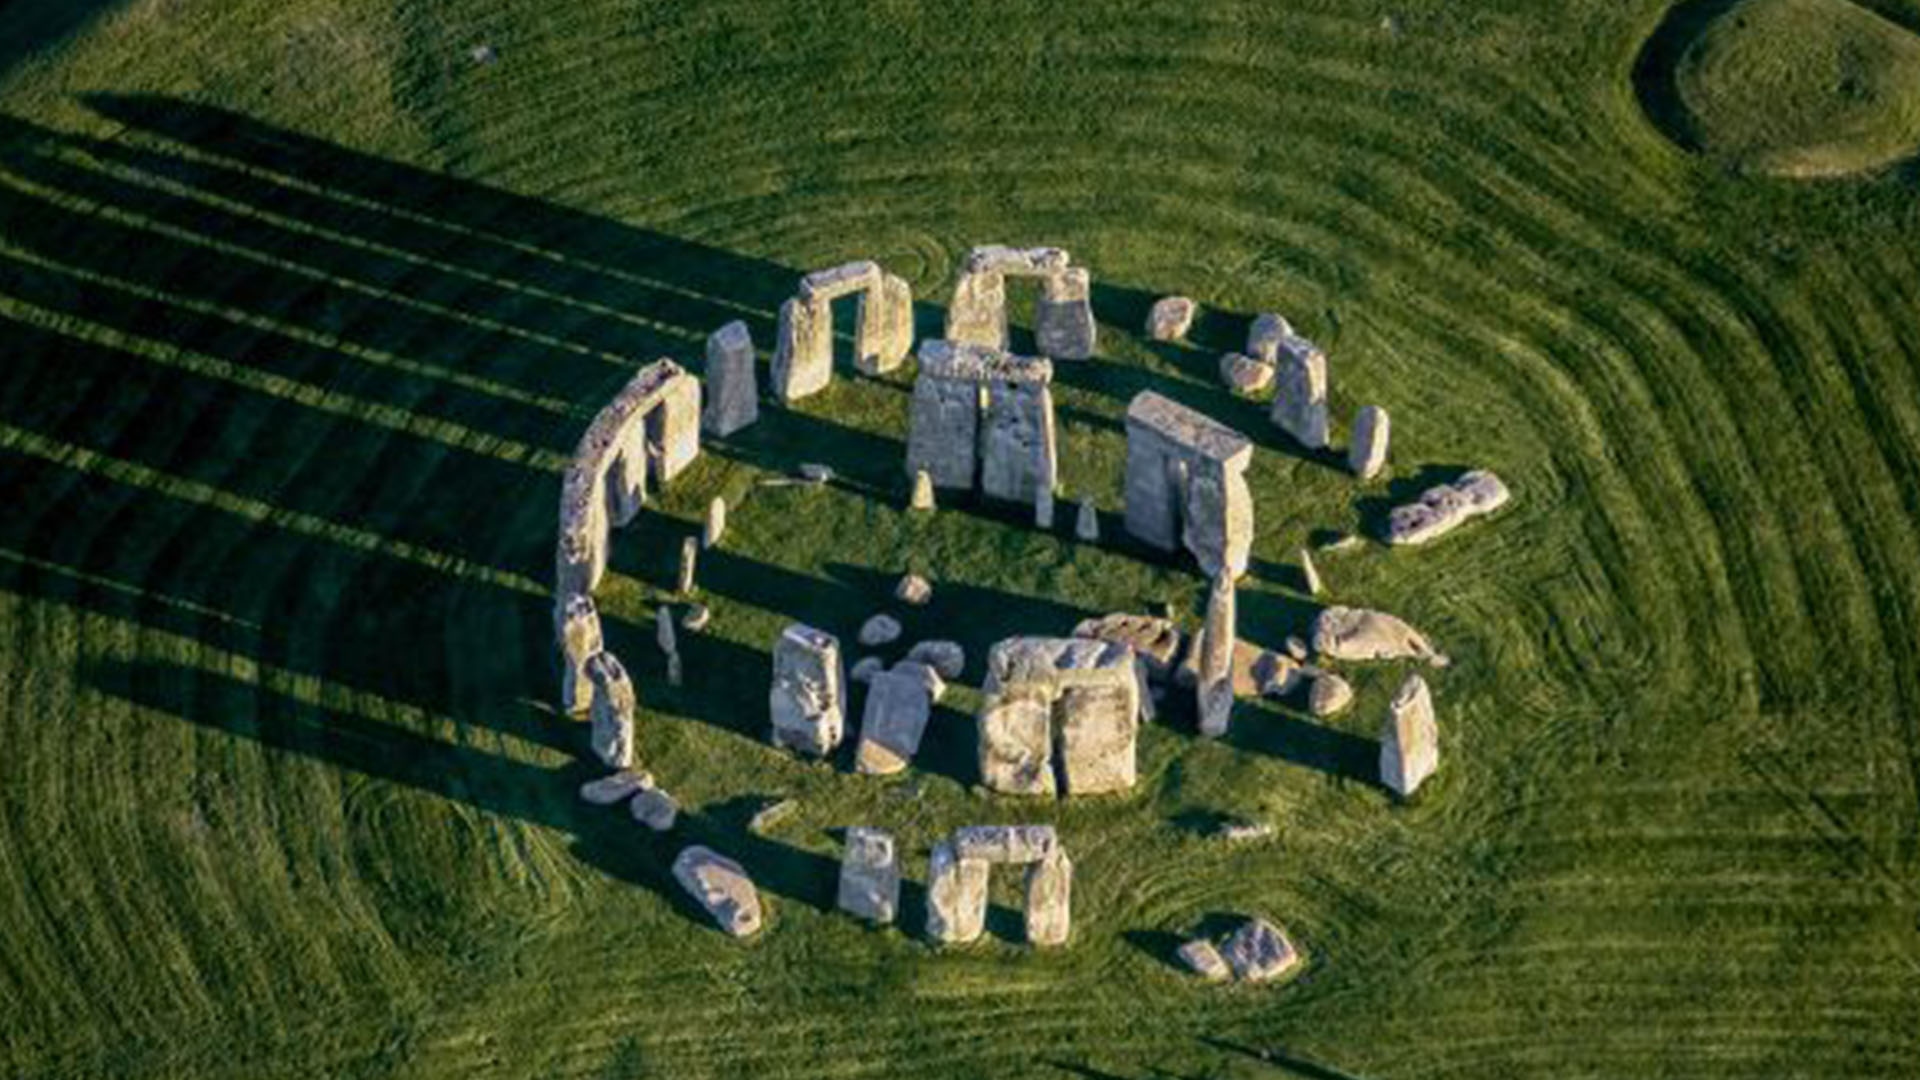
(1410, 739)
(870, 875)
(1372, 431)
(1245, 374)
(1329, 694)
(1344, 633)
(1089, 687)
(1215, 689)
(1259, 951)
(577, 630)
(979, 412)
(1170, 318)
(957, 882)
(1265, 335)
(1063, 320)
(612, 711)
(722, 887)
(733, 386)
(803, 351)
(1186, 483)
(898, 705)
(808, 697)
(1445, 507)
(1300, 394)
(646, 435)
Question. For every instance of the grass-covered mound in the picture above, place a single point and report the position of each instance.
(1803, 88)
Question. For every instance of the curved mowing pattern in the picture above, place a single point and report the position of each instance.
(302, 309)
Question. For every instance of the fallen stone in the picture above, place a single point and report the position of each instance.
(1204, 959)
(1329, 694)
(956, 896)
(732, 386)
(922, 491)
(771, 814)
(1049, 913)
(1410, 739)
(1086, 523)
(815, 473)
(897, 708)
(1296, 648)
(1276, 675)
(655, 809)
(1372, 431)
(716, 524)
(913, 589)
(1310, 573)
(722, 887)
(1259, 951)
(870, 875)
(1300, 393)
(612, 713)
(1005, 843)
(1265, 335)
(1244, 374)
(1446, 507)
(609, 790)
(1063, 324)
(697, 618)
(1170, 318)
(1343, 633)
(879, 630)
(1239, 832)
(1092, 689)
(807, 699)
(945, 657)
(1154, 640)
(866, 669)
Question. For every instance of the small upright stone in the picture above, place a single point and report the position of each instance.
(1410, 740)
(716, 525)
(732, 390)
(655, 809)
(1203, 958)
(612, 712)
(879, 630)
(689, 563)
(1086, 524)
(922, 490)
(1372, 429)
(808, 699)
(577, 627)
(870, 875)
(722, 887)
(1310, 573)
(1259, 951)
(1216, 643)
(1170, 318)
(913, 589)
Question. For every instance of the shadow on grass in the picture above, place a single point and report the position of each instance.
(1374, 511)
(1656, 68)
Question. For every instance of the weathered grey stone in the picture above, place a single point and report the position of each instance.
(716, 523)
(1244, 374)
(879, 630)
(1259, 951)
(943, 422)
(576, 629)
(1086, 523)
(1063, 323)
(689, 565)
(1310, 573)
(1215, 690)
(803, 350)
(1050, 899)
(1154, 640)
(1445, 507)
(1016, 746)
(722, 887)
(1186, 483)
(870, 875)
(1170, 318)
(733, 386)
(923, 489)
(1005, 843)
(1343, 633)
(654, 808)
(936, 686)
(866, 669)
(1329, 694)
(618, 787)
(697, 618)
(883, 326)
(803, 355)
(1090, 686)
(1204, 959)
(913, 589)
(1300, 396)
(898, 704)
(1296, 648)
(663, 634)
(945, 657)
(1018, 456)
(956, 897)
(808, 696)
(1410, 739)
(1372, 431)
(1099, 727)
(977, 315)
(1265, 335)
(612, 712)
(1276, 675)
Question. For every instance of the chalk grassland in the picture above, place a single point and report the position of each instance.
(303, 309)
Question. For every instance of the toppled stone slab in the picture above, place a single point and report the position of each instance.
(612, 713)
(898, 705)
(1300, 394)
(946, 657)
(1276, 674)
(722, 887)
(1265, 335)
(913, 589)
(1170, 318)
(576, 628)
(956, 896)
(1410, 739)
(1328, 694)
(1259, 951)
(870, 875)
(616, 788)
(808, 697)
(733, 386)
(654, 808)
(1372, 431)
(1245, 374)
(1240, 832)
(1203, 958)
(1344, 633)
(771, 815)
(1155, 641)
(1186, 483)
(1443, 508)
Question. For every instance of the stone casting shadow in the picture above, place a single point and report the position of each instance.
(1374, 511)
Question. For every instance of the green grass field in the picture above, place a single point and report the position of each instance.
(302, 309)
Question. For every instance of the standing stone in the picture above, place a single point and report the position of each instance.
(898, 704)
(1203, 958)
(1219, 517)
(1265, 335)
(1372, 429)
(943, 421)
(1063, 323)
(956, 896)
(722, 887)
(870, 875)
(1170, 318)
(577, 629)
(1099, 729)
(1259, 951)
(883, 326)
(1310, 573)
(1050, 899)
(689, 565)
(1215, 689)
(808, 696)
(977, 314)
(1092, 688)
(1086, 524)
(1016, 745)
(613, 711)
(1300, 400)
(1018, 456)
(923, 490)
(1186, 483)
(733, 387)
(1410, 740)
(1443, 508)
(716, 525)
(803, 351)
